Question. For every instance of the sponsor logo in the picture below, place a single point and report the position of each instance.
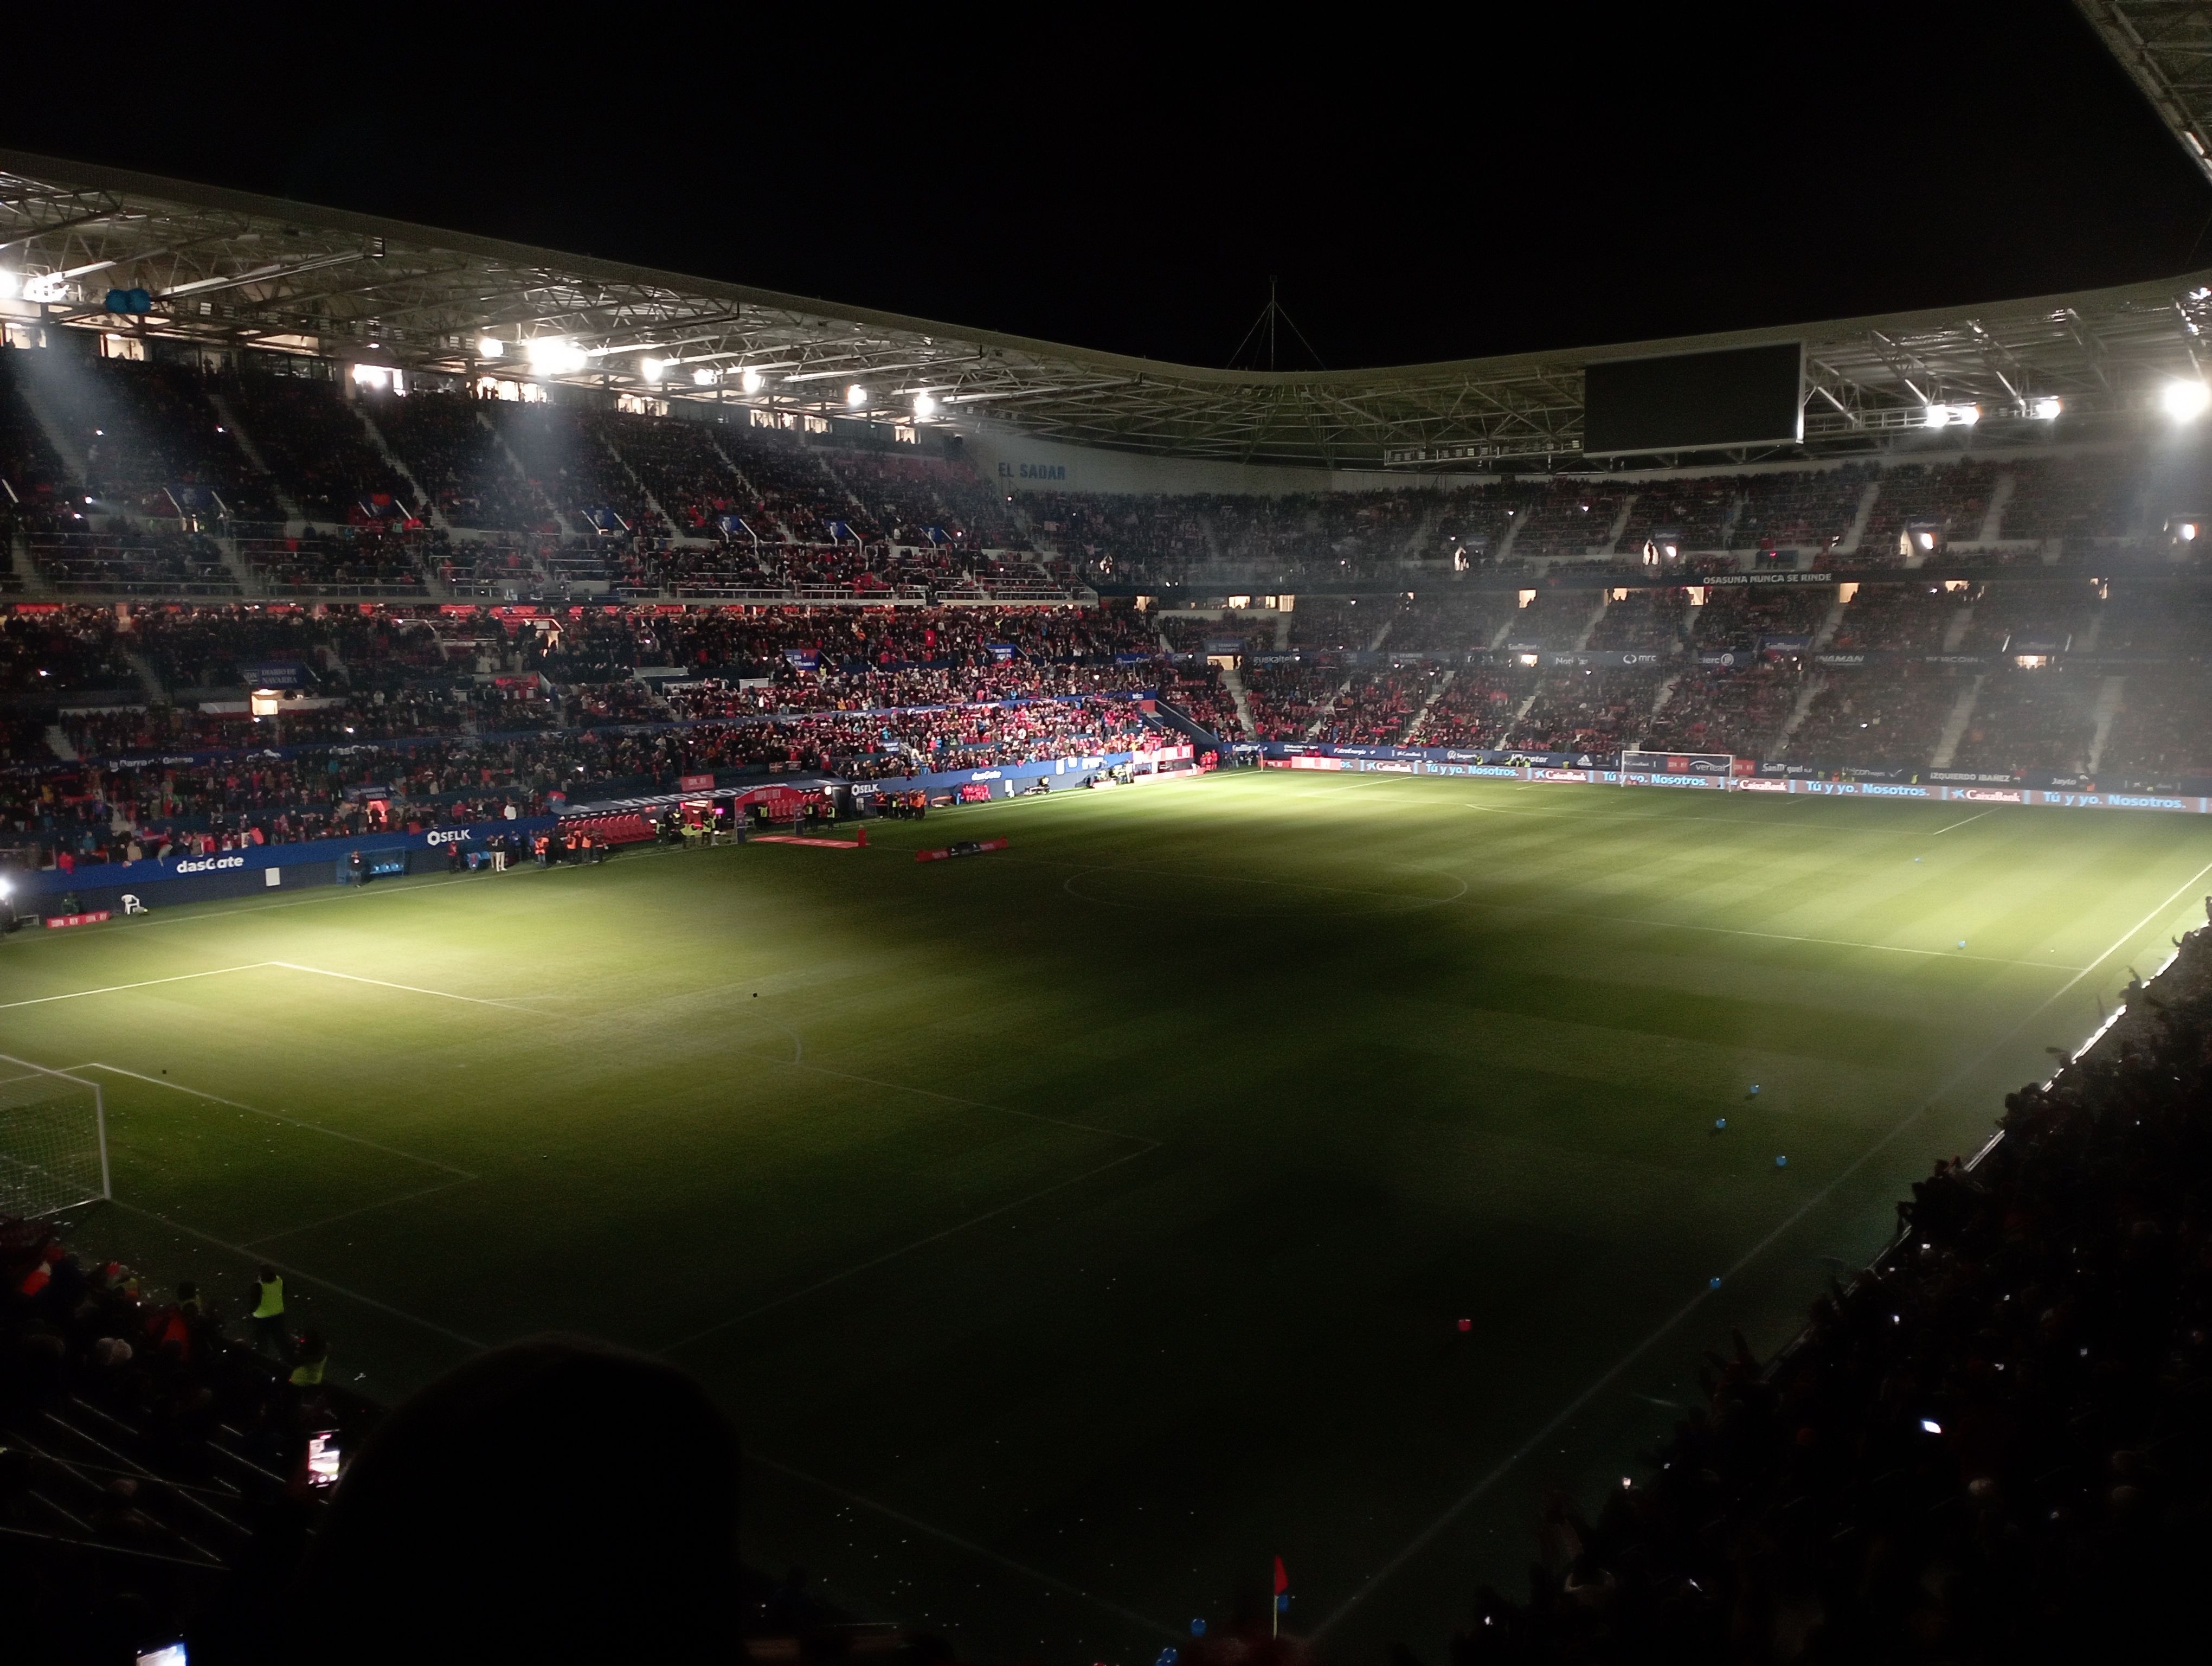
(983, 774)
(1887, 790)
(209, 864)
(1753, 784)
(55, 922)
(2136, 801)
(1990, 795)
(451, 835)
(1559, 775)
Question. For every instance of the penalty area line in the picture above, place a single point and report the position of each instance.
(410, 988)
(143, 983)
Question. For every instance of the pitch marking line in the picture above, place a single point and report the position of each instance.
(1459, 1506)
(146, 983)
(937, 1237)
(304, 1277)
(959, 1543)
(362, 1209)
(458, 1175)
(411, 989)
(1940, 831)
(978, 1104)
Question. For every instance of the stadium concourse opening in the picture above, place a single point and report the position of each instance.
(1318, 1143)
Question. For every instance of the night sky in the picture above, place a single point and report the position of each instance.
(1420, 194)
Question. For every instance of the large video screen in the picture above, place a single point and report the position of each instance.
(1745, 396)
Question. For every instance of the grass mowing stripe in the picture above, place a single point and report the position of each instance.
(1460, 1506)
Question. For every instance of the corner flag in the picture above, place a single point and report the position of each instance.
(1282, 1599)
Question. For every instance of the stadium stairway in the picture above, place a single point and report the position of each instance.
(1414, 728)
(431, 512)
(243, 439)
(1954, 726)
(568, 528)
(1860, 517)
(2111, 694)
(1233, 680)
(1620, 525)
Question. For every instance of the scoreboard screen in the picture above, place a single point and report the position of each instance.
(1745, 396)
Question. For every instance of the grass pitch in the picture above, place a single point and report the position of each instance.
(1072, 1230)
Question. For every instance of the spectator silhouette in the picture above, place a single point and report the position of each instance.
(551, 1499)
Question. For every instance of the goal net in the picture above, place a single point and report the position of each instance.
(53, 1140)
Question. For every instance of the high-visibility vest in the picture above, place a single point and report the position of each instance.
(308, 1373)
(271, 1303)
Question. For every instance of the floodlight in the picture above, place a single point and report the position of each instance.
(1925, 540)
(652, 369)
(4, 888)
(702, 377)
(923, 404)
(491, 347)
(1929, 1425)
(11, 285)
(2187, 532)
(856, 395)
(555, 355)
(1941, 416)
(2185, 398)
(753, 381)
(2047, 408)
(1672, 551)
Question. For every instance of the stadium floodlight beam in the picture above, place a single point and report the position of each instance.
(1943, 415)
(491, 347)
(856, 395)
(2046, 408)
(924, 405)
(2184, 398)
(652, 369)
(702, 377)
(11, 285)
(752, 381)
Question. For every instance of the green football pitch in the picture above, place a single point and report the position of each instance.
(1074, 1229)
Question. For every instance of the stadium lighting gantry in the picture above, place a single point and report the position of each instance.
(704, 377)
(2046, 408)
(11, 285)
(2184, 398)
(923, 404)
(652, 369)
(752, 381)
(1953, 416)
(491, 347)
(856, 395)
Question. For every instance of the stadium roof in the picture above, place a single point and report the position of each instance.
(231, 269)
(2166, 45)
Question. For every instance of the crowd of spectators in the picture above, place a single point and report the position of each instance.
(1375, 708)
(1287, 698)
(153, 1461)
(1886, 719)
(2031, 719)
(1990, 1446)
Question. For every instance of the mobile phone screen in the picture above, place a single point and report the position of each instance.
(322, 1471)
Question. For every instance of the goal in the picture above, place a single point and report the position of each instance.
(53, 1140)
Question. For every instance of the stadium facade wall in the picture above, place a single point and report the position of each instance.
(243, 872)
(1015, 463)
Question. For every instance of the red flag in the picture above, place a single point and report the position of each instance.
(1282, 1579)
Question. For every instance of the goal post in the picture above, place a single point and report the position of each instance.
(53, 1140)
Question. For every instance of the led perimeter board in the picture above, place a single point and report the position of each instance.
(1745, 396)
